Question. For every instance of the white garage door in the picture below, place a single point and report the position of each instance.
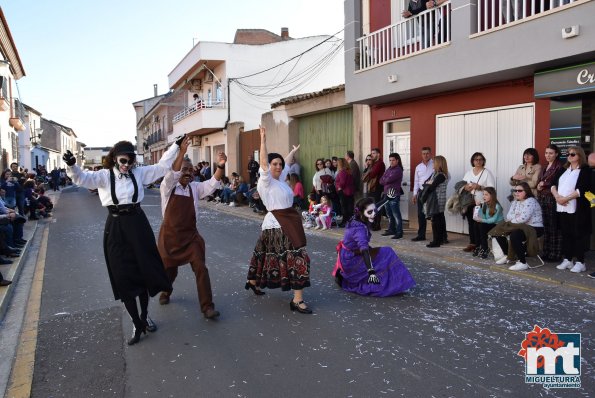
(501, 134)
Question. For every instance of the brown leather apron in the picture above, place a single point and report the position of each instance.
(179, 241)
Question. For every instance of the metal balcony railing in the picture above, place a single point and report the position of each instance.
(418, 33)
(199, 106)
(492, 14)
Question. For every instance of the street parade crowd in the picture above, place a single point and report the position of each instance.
(549, 216)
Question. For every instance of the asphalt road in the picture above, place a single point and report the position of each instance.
(456, 334)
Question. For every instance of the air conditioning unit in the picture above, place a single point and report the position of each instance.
(195, 85)
(209, 77)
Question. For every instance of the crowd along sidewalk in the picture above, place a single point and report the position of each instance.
(13, 271)
(451, 254)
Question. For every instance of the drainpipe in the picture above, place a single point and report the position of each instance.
(229, 80)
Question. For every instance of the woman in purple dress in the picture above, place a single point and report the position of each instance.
(365, 270)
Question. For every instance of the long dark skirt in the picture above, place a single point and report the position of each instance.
(276, 263)
(552, 237)
(132, 258)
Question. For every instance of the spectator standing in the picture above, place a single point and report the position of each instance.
(329, 165)
(591, 160)
(253, 167)
(478, 178)
(345, 190)
(434, 200)
(529, 171)
(423, 171)
(355, 172)
(367, 167)
(55, 174)
(298, 190)
(375, 191)
(317, 180)
(392, 179)
(295, 168)
(574, 209)
(206, 171)
(552, 240)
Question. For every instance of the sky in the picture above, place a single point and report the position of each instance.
(86, 62)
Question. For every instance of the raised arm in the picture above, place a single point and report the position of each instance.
(289, 157)
(264, 155)
(184, 143)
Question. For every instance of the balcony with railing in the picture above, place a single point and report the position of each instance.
(419, 33)
(493, 14)
(200, 116)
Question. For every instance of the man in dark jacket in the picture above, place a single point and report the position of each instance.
(355, 171)
(253, 167)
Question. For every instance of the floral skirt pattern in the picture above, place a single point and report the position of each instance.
(276, 263)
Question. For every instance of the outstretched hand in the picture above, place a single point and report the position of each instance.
(184, 143)
(221, 159)
(69, 158)
(295, 148)
(263, 131)
(180, 139)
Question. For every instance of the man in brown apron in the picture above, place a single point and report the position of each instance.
(179, 241)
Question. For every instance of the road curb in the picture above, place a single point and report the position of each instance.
(14, 272)
(447, 255)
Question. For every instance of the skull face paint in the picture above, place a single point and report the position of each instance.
(370, 212)
(124, 163)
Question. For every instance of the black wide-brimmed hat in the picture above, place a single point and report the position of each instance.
(124, 148)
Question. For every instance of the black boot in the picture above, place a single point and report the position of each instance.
(139, 328)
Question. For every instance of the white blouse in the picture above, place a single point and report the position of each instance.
(144, 175)
(275, 194)
(566, 186)
(316, 179)
(527, 212)
(485, 179)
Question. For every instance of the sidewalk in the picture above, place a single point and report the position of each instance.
(451, 254)
(13, 271)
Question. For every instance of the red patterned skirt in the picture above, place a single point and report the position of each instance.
(276, 263)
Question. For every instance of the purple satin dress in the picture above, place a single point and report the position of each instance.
(394, 276)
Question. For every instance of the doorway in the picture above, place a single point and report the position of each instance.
(397, 139)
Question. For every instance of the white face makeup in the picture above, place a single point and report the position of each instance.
(124, 163)
(370, 212)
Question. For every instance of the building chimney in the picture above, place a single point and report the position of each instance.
(284, 33)
(154, 90)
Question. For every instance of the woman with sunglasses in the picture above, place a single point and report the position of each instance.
(364, 270)
(523, 224)
(573, 209)
(552, 239)
(133, 262)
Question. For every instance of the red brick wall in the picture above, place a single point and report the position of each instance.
(423, 111)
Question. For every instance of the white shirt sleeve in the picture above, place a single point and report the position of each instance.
(203, 189)
(149, 174)
(88, 179)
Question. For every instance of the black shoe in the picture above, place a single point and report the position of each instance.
(23, 241)
(418, 239)
(484, 253)
(4, 261)
(399, 236)
(387, 233)
(5, 282)
(341, 225)
(433, 244)
(150, 326)
(445, 242)
(296, 307)
(211, 313)
(256, 291)
(591, 275)
(476, 251)
(136, 333)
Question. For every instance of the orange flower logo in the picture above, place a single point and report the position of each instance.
(539, 338)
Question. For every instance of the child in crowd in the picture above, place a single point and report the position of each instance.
(324, 217)
(490, 214)
(309, 216)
